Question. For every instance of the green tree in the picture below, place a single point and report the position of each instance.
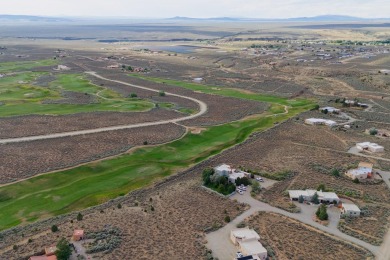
(227, 219)
(63, 250)
(356, 180)
(161, 93)
(321, 212)
(256, 188)
(130, 68)
(300, 199)
(54, 228)
(79, 217)
(133, 95)
(314, 199)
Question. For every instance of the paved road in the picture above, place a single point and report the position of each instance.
(223, 248)
(202, 110)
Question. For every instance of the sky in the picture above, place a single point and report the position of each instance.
(197, 8)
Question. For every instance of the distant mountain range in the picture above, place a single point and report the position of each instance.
(31, 18)
(321, 18)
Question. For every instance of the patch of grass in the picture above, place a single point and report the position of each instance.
(95, 183)
(25, 65)
(19, 97)
(187, 110)
(228, 92)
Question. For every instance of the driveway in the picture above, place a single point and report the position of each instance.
(223, 248)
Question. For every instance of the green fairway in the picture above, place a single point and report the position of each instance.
(95, 183)
(25, 65)
(228, 92)
(19, 97)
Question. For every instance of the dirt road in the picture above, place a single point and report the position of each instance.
(202, 110)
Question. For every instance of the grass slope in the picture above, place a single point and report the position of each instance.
(228, 92)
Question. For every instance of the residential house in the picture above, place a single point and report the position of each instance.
(223, 170)
(330, 110)
(320, 121)
(248, 243)
(78, 235)
(364, 171)
(323, 197)
(237, 174)
(350, 210)
(372, 147)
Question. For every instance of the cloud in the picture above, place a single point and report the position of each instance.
(198, 8)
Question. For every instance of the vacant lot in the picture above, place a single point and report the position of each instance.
(39, 124)
(286, 238)
(371, 226)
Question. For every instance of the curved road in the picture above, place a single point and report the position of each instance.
(202, 110)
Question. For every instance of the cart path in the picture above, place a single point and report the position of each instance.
(221, 246)
(202, 110)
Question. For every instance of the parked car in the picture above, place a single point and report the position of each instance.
(239, 254)
(259, 179)
(241, 192)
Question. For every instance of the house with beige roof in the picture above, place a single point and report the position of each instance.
(247, 241)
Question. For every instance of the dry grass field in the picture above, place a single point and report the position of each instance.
(371, 227)
(288, 239)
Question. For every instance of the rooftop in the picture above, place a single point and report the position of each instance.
(351, 207)
(245, 233)
(253, 247)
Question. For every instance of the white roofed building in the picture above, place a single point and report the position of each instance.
(372, 147)
(248, 243)
(350, 210)
(323, 197)
(320, 121)
(364, 171)
(223, 170)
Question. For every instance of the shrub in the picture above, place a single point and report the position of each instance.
(335, 173)
(79, 217)
(133, 95)
(54, 228)
(161, 93)
(300, 199)
(321, 187)
(227, 219)
(15, 247)
(373, 131)
(119, 206)
(356, 180)
(145, 142)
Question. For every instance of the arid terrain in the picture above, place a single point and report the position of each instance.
(118, 125)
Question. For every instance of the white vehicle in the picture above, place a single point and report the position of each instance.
(243, 188)
(259, 179)
(239, 254)
(241, 192)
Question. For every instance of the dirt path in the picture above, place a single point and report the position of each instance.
(221, 246)
(202, 110)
